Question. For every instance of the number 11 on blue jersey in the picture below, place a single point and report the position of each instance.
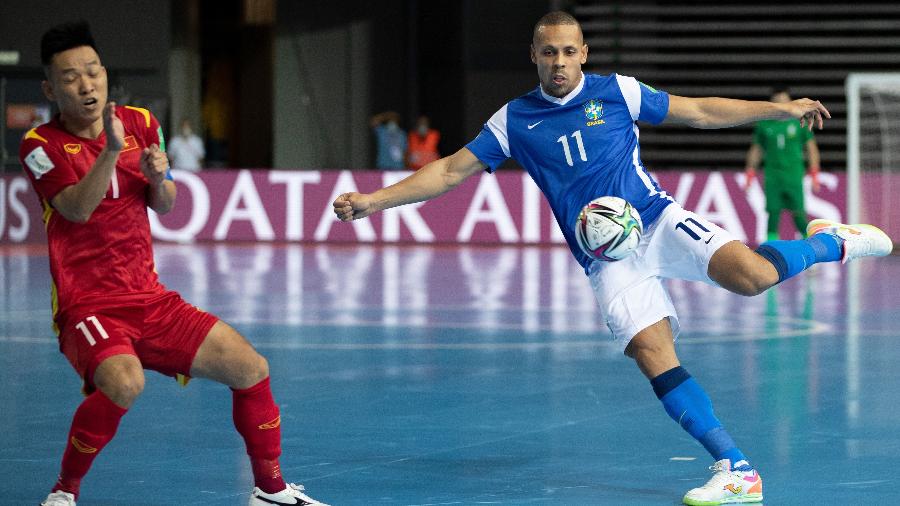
(565, 144)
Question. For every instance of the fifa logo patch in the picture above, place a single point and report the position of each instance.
(593, 110)
(72, 149)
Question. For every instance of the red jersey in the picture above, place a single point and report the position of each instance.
(108, 260)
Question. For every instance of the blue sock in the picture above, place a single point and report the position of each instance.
(793, 257)
(687, 403)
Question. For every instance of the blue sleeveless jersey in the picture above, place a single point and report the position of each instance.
(580, 147)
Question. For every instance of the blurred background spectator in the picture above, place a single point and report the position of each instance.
(390, 141)
(423, 142)
(185, 150)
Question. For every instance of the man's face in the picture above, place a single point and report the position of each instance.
(781, 97)
(77, 83)
(422, 125)
(559, 52)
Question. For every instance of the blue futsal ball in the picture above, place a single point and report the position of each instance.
(608, 229)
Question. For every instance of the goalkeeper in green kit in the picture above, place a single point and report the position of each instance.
(781, 144)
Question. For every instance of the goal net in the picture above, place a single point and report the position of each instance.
(873, 151)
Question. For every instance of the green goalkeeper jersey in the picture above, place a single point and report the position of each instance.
(782, 142)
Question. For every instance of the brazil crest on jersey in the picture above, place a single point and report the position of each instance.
(580, 147)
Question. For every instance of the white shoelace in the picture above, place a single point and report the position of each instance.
(721, 477)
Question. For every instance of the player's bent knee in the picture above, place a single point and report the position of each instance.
(750, 287)
(758, 281)
(740, 270)
(252, 369)
(120, 379)
(641, 347)
(260, 370)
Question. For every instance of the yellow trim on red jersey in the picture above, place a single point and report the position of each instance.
(143, 111)
(32, 134)
(54, 305)
(48, 211)
(54, 294)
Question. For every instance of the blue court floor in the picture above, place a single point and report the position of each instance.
(445, 375)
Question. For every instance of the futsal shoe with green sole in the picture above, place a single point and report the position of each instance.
(858, 240)
(727, 487)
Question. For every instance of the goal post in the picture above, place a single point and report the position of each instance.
(873, 150)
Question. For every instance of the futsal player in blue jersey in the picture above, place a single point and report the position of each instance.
(577, 137)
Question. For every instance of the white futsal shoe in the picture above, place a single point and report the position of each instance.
(59, 498)
(727, 487)
(859, 240)
(292, 495)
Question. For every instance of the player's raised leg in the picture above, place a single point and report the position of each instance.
(738, 269)
(687, 403)
(225, 356)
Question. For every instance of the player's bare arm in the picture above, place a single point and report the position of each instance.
(432, 180)
(813, 159)
(78, 202)
(715, 112)
(754, 158)
(155, 166)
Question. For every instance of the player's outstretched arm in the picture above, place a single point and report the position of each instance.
(715, 112)
(432, 180)
(78, 202)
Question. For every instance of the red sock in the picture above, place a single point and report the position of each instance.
(94, 424)
(257, 420)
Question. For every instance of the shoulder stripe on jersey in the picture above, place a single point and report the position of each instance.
(497, 125)
(631, 90)
(32, 134)
(143, 111)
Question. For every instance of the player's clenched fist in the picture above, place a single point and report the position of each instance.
(352, 206)
(154, 164)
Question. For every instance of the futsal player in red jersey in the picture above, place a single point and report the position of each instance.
(96, 167)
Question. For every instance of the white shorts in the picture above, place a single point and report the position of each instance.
(630, 292)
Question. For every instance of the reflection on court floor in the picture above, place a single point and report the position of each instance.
(418, 375)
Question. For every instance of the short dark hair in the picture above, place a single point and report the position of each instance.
(781, 88)
(554, 18)
(64, 37)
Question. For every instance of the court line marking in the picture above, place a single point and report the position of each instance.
(856, 483)
(815, 328)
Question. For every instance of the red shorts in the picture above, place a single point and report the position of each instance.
(164, 333)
